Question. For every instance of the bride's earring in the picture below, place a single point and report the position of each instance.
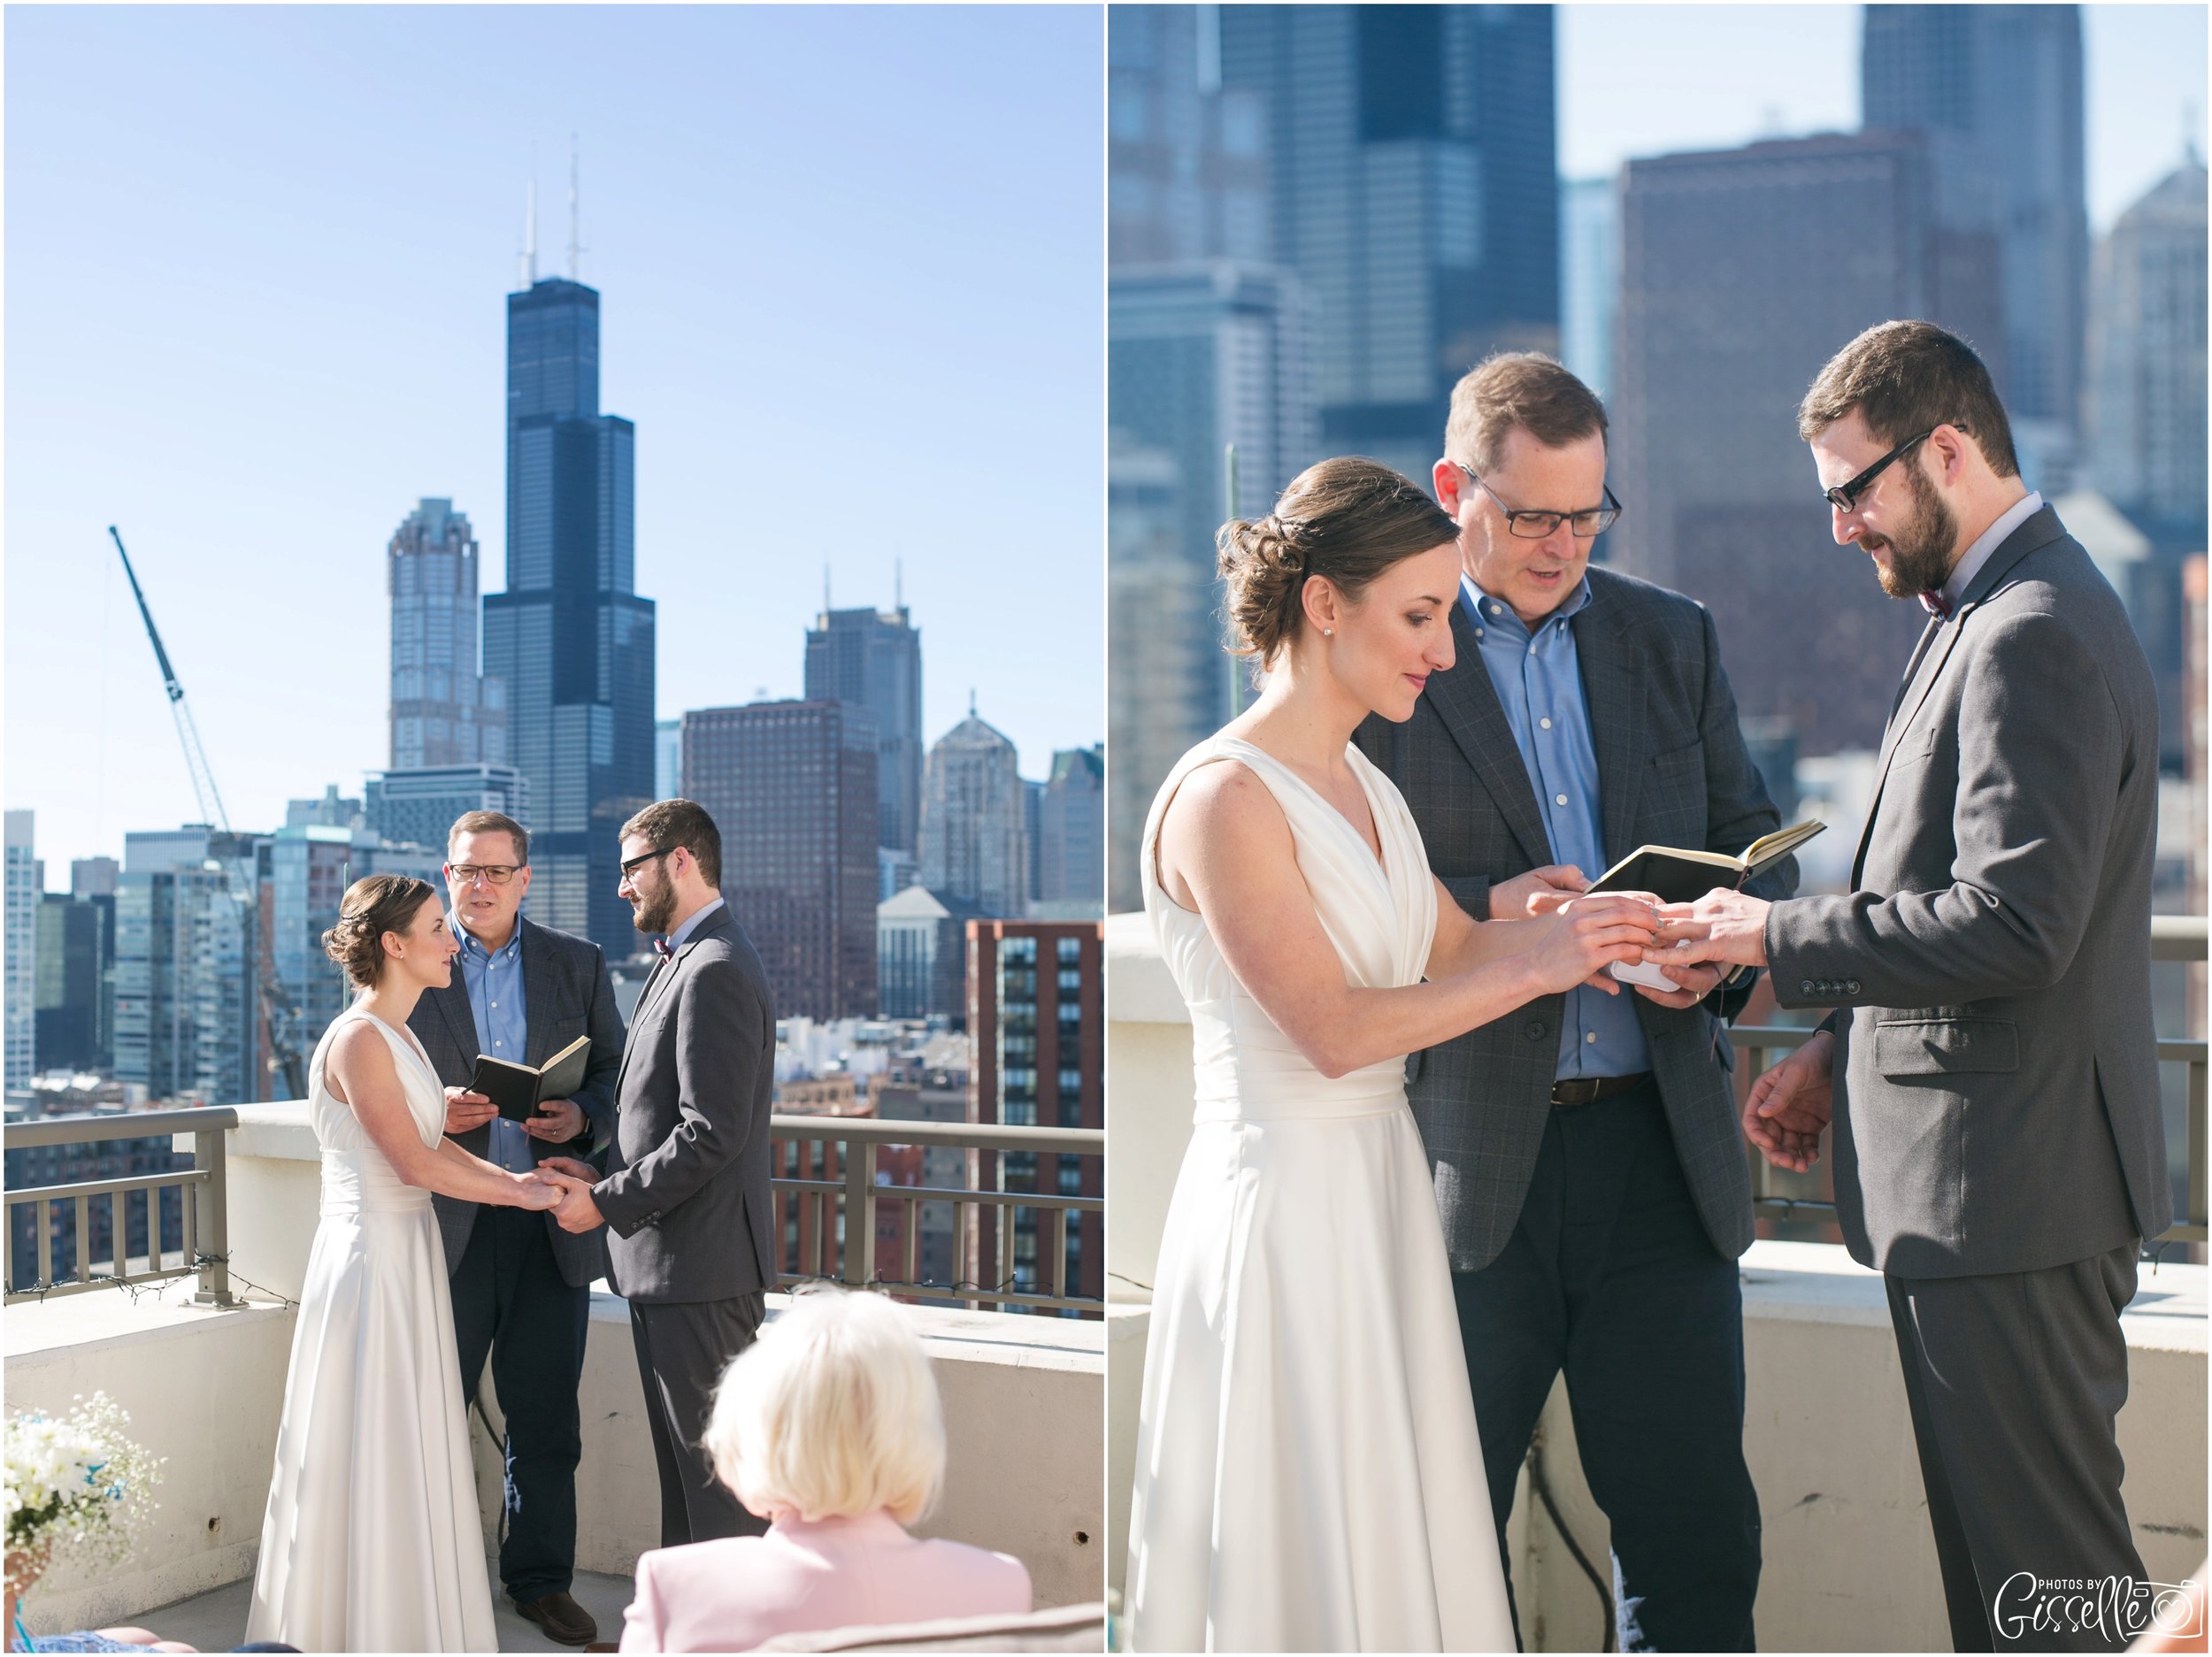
(1328, 633)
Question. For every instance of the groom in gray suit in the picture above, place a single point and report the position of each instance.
(1591, 1180)
(686, 1198)
(1991, 1069)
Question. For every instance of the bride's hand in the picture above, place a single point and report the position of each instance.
(1577, 942)
(532, 1191)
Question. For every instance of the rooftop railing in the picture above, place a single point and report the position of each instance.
(2173, 938)
(836, 1217)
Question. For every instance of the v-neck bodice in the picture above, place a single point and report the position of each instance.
(1379, 915)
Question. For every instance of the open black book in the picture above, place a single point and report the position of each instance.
(516, 1088)
(1683, 877)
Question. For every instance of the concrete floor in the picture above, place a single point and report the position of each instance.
(216, 1621)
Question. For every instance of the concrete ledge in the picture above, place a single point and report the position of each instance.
(205, 1390)
(1849, 1558)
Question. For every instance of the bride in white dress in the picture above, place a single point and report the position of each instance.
(1308, 1475)
(372, 1540)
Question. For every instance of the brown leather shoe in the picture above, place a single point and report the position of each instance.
(561, 1617)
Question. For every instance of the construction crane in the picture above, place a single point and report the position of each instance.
(279, 1015)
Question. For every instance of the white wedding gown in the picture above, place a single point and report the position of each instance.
(373, 1541)
(1308, 1475)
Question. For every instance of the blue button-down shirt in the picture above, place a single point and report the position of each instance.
(493, 977)
(1539, 680)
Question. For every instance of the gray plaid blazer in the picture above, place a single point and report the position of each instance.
(1673, 769)
(566, 993)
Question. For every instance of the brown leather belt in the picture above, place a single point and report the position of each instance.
(1587, 1090)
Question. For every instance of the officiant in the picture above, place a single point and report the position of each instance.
(522, 1285)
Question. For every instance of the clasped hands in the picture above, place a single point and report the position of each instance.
(572, 1182)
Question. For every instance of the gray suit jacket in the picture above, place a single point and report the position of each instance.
(687, 1195)
(566, 993)
(1996, 1104)
(1672, 771)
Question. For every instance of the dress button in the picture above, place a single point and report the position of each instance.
(1851, 987)
(1806, 988)
(1591, 1038)
(1560, 799)
(1535, 1029)
(1545, 723)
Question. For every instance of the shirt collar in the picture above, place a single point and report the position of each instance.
(1962, 573)
(676, 938)
(472, 946)
(1480, 605)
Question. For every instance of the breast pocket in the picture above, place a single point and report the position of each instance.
(1916, 747)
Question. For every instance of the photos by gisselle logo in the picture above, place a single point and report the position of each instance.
(2118, 1607)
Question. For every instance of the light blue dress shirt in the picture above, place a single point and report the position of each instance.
(699, 918)
(1539, 680)
(503, 1030)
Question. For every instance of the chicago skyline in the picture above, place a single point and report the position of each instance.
(739, 246)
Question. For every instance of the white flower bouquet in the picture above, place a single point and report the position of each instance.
(74, 1482)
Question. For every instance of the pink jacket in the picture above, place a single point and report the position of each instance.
(731, 1594)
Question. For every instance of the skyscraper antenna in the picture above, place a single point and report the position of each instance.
(826, 598)
(575, 241)
(898, 584)
(530, 227)
(970, 702)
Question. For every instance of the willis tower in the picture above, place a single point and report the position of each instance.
(572, 640)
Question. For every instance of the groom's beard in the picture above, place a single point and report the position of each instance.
(653, 913)
(1920, 554)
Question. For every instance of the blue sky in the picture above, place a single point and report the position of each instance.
(256, 257)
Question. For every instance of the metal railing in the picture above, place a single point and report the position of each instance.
(2173, 938)
(854, 1196)
(202, 1188)
(835, 1217)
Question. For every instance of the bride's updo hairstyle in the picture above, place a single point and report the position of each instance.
(1349, 519)
(372, 906)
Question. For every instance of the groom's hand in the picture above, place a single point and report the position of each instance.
(1790, 1105)
(577, 1212)
(1538, 892)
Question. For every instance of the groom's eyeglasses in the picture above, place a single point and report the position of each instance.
(639, 861)
(1588, 524)
(1845, 497)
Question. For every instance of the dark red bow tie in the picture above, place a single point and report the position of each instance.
(1936, 605)
(661, 948)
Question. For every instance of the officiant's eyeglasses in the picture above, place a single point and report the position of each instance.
(1588, 524)
(468, 874)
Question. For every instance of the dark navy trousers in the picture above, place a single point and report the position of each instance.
(1609, 1276)
(510, 1301)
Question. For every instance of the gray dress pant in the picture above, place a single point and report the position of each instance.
(682, 1349)
(2014, 1380)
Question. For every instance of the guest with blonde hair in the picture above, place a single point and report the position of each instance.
(830, 1425)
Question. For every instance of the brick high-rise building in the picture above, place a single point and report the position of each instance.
(1036, 1016)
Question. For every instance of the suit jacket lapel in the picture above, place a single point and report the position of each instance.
(1932, 655)
(1610, 670)
(540, 994)
(453, 1004)
(1467, 702)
